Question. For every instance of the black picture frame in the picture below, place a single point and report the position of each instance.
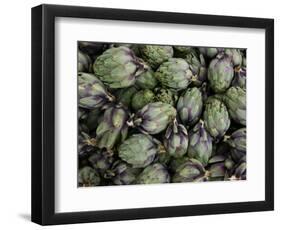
(43, 110)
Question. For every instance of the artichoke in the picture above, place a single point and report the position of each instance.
(122, 173)
(239, 78)
(182, 51)
(118, 67)
(165, 96)
(138, 150)
(112, 128)
(190, 106)
(235, 56)
(93, 118)
(88, 176)
(101, 160)
(235, 100)
(200, 143)
(92, 93)
(210, 52)
(174, 73)
(237, 141)
(84, 62)
(176, 139)
(220, 73)
(91, 48)
(240, 170)
(216, 118)
(154, 174)
(155, 55)
(146, 80)
(190, 170)
(155, 117)
(124, 96)
(142, 98)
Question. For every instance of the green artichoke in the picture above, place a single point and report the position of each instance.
(216, 118)
(200, 143)
(182, 51)
(122, 173)
(154, 174)
(190, 106)
(88, 176)
(220, 73)
(112, 128)
(210, 52)
(138, 150)
(190, 170)
(146, 80)
(155, 55)
(174, 73)
(235, 56)
(155, 117)
(142, 98)
(84, 62)
(176, 139)
(165, 96)
(91, 91)
(118, 67)
(235, 100)
(93, 118)
(125, 95)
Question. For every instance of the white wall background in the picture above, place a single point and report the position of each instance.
(15, 114)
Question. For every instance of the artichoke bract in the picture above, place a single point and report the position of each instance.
(142, 98)
(200, 143)
(210, 52)
(146, 80)
(91, 91)
(155, 55)
(235, 56)
(154, 174)
(190, 170)
(190, 106)
(235, 100)
(239, 78)
(118, 67)
(237, 141)
(176, 139)
(174, 73)
(84, 62)
(220, 73)
(154, 117)
(113, 127)
(138, 150)
(88, 176)
(216, 118)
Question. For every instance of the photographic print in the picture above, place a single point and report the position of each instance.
(150, 114)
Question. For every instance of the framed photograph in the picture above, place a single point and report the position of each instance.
(142, 114)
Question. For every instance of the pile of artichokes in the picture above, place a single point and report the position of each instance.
(153, 114)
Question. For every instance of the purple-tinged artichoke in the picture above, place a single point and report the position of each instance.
(210, 52)
(154, 174)
(239, 78)
(220, 73)
(235, 56)
(92, 93)
(155, 55)
(155, 117)
(113, 127)
(101, 160)
(238, 144)
(176, 139)
(200, 143)
(138, 150)
(174, 73)
(142, 98)
(240, 171)
(118, 67)
(122, 173)
(88, 176)
(216, 118)
(92, 48)
(190, 106)
(84, 62)
(190, 170)
(235, 100)
(146, 80)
